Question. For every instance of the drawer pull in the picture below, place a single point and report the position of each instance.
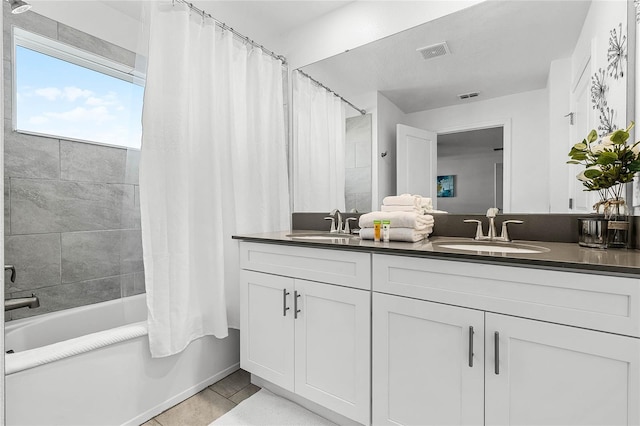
(296, 311)
(470, 346)
(285, 308)
(496, 348)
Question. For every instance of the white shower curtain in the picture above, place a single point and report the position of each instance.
(319, 147)
(213, 163)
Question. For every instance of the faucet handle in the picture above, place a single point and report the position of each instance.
(333, 223)
(504, 235)
(492, 212)
(479, 234)
(347, 228)
(13, 272)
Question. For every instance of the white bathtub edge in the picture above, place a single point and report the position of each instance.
(151, 413)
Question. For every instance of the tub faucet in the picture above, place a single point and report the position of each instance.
(22, 302)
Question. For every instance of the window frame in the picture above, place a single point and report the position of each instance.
(74, 55)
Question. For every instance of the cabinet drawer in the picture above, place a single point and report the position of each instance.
(346, 268)
(596, 302)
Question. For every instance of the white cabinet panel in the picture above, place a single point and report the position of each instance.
(332, 335)
(550, 374)
(266, 337)
(422, 371)
(584, 300)
(341, 267)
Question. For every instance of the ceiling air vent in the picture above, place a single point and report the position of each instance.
(435, 50)
(468, 95)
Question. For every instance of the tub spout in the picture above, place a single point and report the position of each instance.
(22, 302)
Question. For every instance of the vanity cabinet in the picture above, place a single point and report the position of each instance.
(498, 357)
(428, 363)
(305, 323)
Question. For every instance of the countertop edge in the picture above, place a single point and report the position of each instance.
(559, 265)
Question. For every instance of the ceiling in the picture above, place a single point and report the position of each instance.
(262, 20)
(497, 49)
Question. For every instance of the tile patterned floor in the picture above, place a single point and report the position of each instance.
(209, 404)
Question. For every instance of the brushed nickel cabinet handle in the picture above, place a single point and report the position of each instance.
(296, 311)
(496, 348)
(285, 293)
(470, 346)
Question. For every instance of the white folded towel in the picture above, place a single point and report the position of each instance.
(408, 200)
(398, 234)
(411, 220)
(400, 200)
(385, 208)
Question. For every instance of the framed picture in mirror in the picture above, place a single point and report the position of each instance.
(446, 186)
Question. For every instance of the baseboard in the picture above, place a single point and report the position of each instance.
(330, 415)
(188, 393)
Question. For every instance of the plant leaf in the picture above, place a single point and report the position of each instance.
(607, 157)
(593, 135)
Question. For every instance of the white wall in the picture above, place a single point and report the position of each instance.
(474, 181)
(389, 115)
(529, 118)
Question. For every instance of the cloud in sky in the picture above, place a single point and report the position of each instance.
(69, 93)
(49, 93)
(98, 114)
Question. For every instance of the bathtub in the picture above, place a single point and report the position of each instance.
(91, 366)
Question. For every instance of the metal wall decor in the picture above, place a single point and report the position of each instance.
(617, 52)
(598, 90)
(607, 125)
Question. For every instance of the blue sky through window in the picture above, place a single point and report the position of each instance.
(61, 99)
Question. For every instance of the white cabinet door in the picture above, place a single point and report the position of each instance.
(549, 374)
(266, 328)
(422, 370)
(332, 348)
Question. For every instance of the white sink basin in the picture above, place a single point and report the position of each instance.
(320, 236)
(493, 247)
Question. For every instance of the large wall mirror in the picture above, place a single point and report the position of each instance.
(505, 85)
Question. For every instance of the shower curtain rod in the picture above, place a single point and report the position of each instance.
(361, 111)
(228, 28)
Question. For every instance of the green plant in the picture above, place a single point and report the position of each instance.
(608, 162)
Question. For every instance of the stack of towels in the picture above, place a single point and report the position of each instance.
(405, 226)
(408, 217)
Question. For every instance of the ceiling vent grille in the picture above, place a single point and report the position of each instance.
(469, 95)
(435, 50)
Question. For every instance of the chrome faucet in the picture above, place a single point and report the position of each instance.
(336, 220)
(337, 225)
(22, 302)
(491, 232)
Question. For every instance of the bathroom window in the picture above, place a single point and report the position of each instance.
(63, 92)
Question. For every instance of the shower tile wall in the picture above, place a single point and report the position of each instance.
(72, 217)
(358, 163)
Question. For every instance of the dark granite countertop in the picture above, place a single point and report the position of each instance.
(554, 255)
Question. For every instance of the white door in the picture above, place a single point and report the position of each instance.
(416, 166)
(583, 119)
(266, 327)
(333, 348)
(549, 374)
(423, 371)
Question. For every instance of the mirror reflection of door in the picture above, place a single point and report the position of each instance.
(417, 151)
(580, 201)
